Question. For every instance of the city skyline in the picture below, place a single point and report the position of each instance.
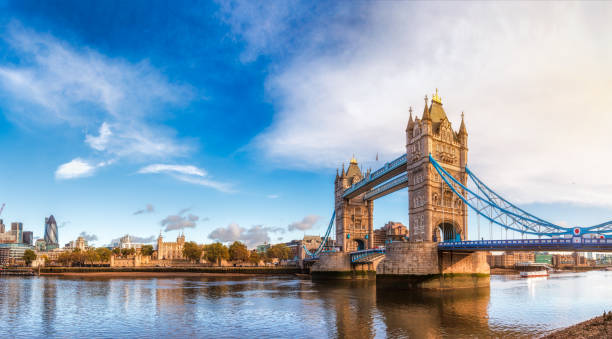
(228, 120)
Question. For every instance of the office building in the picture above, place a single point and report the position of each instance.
(51, 236)
(28, 238)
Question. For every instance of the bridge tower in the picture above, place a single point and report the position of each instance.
(435, 213)
(354, 222)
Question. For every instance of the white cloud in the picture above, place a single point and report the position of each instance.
(56, 83)
(532, 79)
(176, 169)
(305, 224)
(77, 168)
(100, 142)
(253, 236)
(189, 174)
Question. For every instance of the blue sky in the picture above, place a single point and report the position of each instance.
(230, 118)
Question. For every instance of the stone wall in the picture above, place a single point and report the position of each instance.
(421, 265)
(410, 258)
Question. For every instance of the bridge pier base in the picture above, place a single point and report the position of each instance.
(338, 266)
(422, 265)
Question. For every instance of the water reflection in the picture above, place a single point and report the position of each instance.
(288, 307)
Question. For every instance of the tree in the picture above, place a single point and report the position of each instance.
(92, 256)
(192, 251)
(29, 256)
(65, 258)
(116, 251)
(238, 251)
(147, 250)
(104, 254)
(77, 257)
(279, 251)
(127, 251)
(254, 258)
(217, 252)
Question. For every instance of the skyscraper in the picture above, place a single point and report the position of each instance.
(17, 229)
(28, 238)
(51, 238)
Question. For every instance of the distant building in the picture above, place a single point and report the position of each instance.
(510, 259)
(263, 248)
(40, 245)
(8, 237)
(79, 243)
(17, 229)
(28, 238)
(170, 250)
(51, 236)
(2, 227)
(126, 242)
(392, 231)
(9, 253)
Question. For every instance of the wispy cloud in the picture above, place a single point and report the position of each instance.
(189, 174)
(79, 87)
(148, 209)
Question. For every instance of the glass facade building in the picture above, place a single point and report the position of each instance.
(51, 238)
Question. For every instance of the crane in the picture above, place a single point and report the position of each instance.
(2, 208)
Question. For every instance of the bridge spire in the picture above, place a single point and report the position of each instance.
(426, 111)
(410, 121)
(462, 129)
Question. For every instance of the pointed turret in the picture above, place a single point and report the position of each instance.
(410, 125)
(343, 173)
(426, 111)
(462, 129)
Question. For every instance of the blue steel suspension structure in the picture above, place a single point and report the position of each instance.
(316, 253)
(499, 211)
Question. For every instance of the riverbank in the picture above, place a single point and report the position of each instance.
(151, 272)
(598, 327)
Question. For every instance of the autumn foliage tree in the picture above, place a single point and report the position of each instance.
(29, 256)
(279, 251)
(217, 252)
(238, 251)
(192, 251)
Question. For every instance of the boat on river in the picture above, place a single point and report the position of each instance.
(530, 270)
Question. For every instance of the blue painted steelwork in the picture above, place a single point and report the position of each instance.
(514, 220)
(324, 240)
(389, 185)
(388, 167)
(357, 255)
(564, 244)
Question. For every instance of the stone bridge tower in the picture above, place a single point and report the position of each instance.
(436, 213)
(354, 223)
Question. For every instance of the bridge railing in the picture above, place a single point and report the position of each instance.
(389, 185)
(366, 253)
(566, 243)
(378, 173)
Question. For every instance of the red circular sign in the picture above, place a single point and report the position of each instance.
(576, 231)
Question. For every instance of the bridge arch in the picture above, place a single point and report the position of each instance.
(359, 244)
(446, 230)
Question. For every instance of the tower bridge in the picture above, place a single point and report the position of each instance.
(434, 169)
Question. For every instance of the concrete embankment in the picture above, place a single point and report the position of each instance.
(598, 327)
(167, 271)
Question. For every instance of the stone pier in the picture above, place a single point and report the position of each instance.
(421, 265)
(338, 266)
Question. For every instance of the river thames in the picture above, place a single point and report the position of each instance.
(287, 307)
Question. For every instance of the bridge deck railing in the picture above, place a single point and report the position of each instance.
(564, 243)
(378, 173)
(365, 253)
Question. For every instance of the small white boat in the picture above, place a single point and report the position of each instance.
(531, 274)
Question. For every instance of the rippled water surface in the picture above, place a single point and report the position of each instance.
(275, 307)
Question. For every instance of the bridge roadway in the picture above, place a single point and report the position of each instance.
(564, 245)
(575, 244)
(388, 171)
